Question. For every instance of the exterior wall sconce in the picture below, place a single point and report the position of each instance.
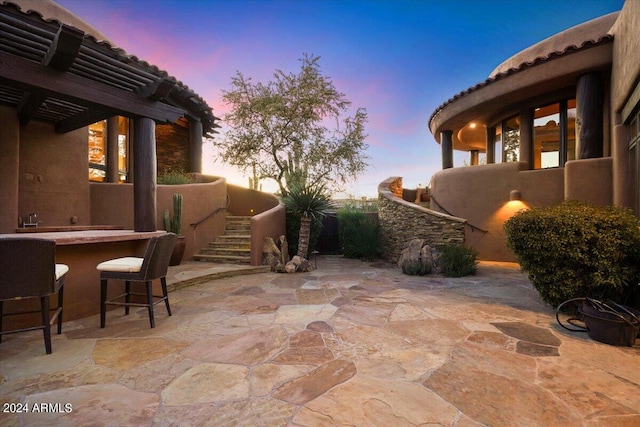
(515, 195)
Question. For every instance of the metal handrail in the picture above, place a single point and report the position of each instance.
(214, 212)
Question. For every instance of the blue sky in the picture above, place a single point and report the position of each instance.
(398, 59)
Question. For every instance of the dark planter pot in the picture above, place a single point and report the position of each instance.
(178, 251)
(620, 330)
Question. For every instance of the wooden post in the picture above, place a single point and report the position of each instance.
(491, 144)
(526, 137)
(474, 156)
(145, 175)
(112, 150)
(195, 143)
(446, 143)
(589, 113)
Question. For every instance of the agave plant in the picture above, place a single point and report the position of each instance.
(308, 202)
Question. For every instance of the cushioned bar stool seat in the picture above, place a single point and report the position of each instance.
(153, 266)
(29, 270)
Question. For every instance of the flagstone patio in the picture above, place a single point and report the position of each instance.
(350, 344)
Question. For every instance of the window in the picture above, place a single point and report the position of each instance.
(554, 136)
(511, 140)
(98, 150)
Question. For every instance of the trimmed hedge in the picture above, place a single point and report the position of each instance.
(575, 250)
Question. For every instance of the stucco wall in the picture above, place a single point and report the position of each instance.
(9, 161)
(112, 204)
(401, 221)
(53, 180)
(247, 202)
(271, 223)
(589, 180)
(480, 194)
(625, 69)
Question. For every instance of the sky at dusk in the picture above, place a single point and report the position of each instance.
(397, 59)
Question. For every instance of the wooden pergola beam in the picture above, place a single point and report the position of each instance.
(64, 49)
(31, 76)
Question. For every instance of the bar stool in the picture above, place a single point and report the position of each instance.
(29, 270)
(153, 266)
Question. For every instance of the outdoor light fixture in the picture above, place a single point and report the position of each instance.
(515, 195)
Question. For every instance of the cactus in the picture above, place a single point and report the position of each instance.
(174, 225)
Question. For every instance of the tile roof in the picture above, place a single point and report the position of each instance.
(607, 38)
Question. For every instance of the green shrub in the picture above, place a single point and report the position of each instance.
(174, 178)
(575, 250)
(457, 260)
(359, 234)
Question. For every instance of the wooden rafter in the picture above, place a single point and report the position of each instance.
(31, 76)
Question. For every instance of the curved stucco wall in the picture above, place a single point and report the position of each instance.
(271, 223)
(401, 221)
(480, 194)
(112, 204)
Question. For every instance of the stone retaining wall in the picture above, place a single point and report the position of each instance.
(402, 221)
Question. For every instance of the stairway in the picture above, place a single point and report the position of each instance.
(234, 247)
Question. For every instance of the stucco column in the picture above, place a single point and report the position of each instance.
(526, 137)
(145, 174)
(589, 115)
(621, 171)
(446, 143)
(195, 143)
(9, 169)
(491, 144)
(112, 149)
(474, 155)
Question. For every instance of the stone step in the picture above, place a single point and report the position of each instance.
(234, 246)
(227, 259)
(223, 250)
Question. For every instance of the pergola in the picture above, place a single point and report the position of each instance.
(54, 72)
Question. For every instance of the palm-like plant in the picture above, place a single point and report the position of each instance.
(308, 202)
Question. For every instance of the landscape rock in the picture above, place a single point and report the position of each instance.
(416, 258)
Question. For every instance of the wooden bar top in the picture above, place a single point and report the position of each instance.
(88, 236)
(49, 229)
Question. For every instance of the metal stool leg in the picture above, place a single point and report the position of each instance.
(165, 294)
(149, 285)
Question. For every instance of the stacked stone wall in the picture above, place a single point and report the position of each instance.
(402, 221)
(172, 147)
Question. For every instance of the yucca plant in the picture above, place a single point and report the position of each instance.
(309, 203)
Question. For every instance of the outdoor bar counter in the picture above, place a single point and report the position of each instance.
(82, 251)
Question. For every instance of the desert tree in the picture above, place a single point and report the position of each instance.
(295, 128)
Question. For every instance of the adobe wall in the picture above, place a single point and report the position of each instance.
(589, 180)
(625, 70)
(9, 161)
(248, 202)
(480, 194)
(53, 175)
(112, 204)
(401, 221)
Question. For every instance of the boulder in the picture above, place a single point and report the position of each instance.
(298, 264)
(416, 258)
(271, 255)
